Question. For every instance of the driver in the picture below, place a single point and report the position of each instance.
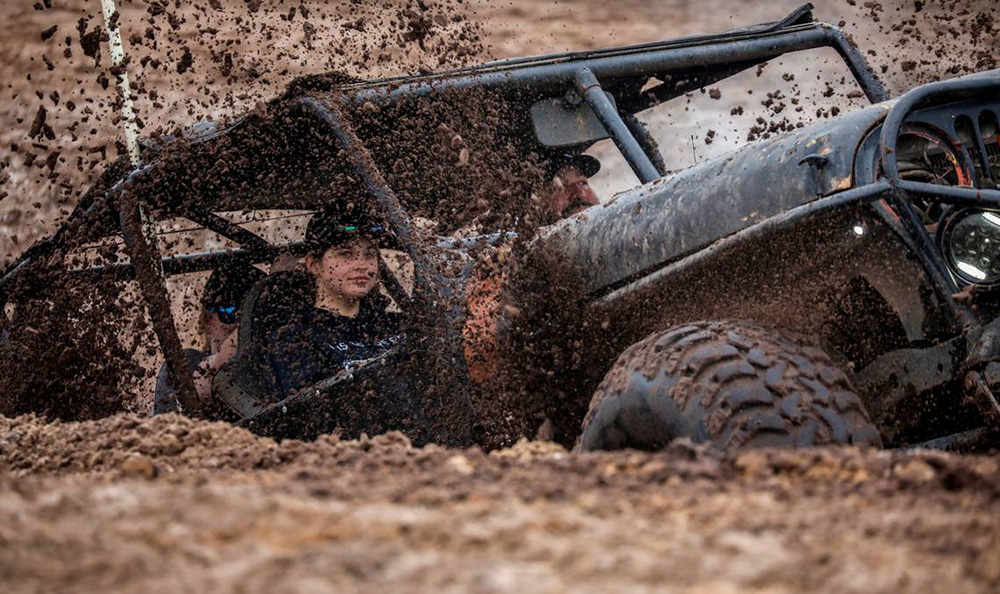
(347, 321)
(569, 192)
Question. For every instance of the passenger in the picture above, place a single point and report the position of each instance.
(347, 321)
(220, 305)
(569, 192)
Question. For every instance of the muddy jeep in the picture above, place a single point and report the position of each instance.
(832, 285)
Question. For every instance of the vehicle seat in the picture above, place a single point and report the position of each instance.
(244, 385)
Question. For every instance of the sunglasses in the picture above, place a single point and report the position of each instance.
(227, 315)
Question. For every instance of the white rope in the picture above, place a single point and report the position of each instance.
(117, 59)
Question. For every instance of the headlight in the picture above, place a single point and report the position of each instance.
(970, 241)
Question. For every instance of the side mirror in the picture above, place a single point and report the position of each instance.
(559, 124)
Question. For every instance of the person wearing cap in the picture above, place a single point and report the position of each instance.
(569, 191)
(347, 320)
(220, 305)
(221, 301)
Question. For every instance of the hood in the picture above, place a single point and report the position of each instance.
(648, 226)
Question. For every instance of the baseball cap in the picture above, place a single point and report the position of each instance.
(333, 226)
(229, 283)
(588, 166)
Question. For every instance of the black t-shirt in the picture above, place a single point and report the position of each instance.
(318, 344)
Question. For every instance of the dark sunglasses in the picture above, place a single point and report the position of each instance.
(227, 315)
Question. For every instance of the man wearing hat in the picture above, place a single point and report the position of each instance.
(569, 192)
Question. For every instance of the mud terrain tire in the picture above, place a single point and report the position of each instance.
(732, 384)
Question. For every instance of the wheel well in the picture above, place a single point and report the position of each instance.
(862, 325)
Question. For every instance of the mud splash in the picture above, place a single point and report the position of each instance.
(172, 503)
(207, 61)
(192, 61)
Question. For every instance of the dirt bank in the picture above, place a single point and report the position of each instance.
(171, 504)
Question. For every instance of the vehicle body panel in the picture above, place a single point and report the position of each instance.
(644, 228)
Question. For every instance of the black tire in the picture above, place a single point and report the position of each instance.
(729, 383)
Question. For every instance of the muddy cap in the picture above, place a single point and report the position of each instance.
(588, 166)
(333, 226)
(229, 284)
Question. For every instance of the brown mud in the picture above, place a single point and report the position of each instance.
(150, 505)
(134, 504)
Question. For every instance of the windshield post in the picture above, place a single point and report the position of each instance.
(646, 141)
(863, 74)
(588, 86)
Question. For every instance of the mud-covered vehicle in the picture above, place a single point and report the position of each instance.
(832, 285)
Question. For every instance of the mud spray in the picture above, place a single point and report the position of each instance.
(94, 495)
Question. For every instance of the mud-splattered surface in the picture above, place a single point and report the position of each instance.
(169, 504)
(215, 59)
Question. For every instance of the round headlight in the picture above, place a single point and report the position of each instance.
(971, 244)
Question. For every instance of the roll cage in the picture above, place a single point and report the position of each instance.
(636, 77)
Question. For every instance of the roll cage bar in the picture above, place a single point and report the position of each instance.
(681, 65)
(689, 63)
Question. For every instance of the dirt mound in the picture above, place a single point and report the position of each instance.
(177, 445)
(164, 444)
(150, 505)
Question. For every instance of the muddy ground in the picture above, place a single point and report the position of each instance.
(167, 505)
(170, 504)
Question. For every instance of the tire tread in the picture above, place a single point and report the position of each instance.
(736, 385)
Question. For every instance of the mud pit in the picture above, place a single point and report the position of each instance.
(167, 504)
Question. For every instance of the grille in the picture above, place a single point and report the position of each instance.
(980, 138)
(993, 152)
